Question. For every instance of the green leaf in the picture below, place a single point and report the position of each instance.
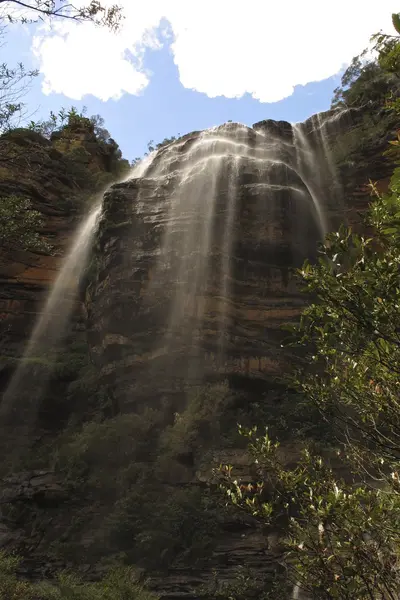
(396, 21)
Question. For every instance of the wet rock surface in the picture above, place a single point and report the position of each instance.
(161, 318)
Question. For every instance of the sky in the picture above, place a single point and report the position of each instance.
(177, 66)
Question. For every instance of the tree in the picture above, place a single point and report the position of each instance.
(14, 85)
(19, 225)
(342, 540)
(369, 80)
(15, 81)
(341, 534)
(34, 10)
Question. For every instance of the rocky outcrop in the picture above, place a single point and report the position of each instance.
(272, 230)
(23, 496)
(41, 487)
(58, 176)
(283, 200)
(165, 324)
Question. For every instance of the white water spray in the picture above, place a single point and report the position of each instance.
(50, 328)
(310, 172)
(51, 324)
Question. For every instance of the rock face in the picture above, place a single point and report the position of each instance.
(244, 220)
(38, 486)
(246, 206)
(190, 280)
(57, 175)
(193, 277)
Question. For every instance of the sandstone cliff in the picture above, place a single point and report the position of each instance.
(183, 345)
(60, 177)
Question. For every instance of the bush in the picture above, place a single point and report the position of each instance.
(119, 584)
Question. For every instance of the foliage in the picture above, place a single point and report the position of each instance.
(105, 447)
(118, 584)
(364, 82)
(343, 539)
(388, 47)
(159, 525)
(14, 84)
(151, 147)
(246, 585)
(15, 81)
(369, 80)
(166, 141)
(342, 535)
(65, 130)
(11, 588)
(71, 119)
(135, 470)
(19, 225)
(354, 328)
(30, 11)
(199, 423)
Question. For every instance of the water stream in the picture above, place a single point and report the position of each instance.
(21, 399)
(202, 225)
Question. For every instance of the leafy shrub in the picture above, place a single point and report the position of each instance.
(199, 424)
(20, 225)
(118, 584)
(108, 447)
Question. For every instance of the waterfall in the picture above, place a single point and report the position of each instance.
(266, 189)
(57, 309)
(20, 403)
(197, 182)
(312, 141)
(204, 172)
(296, 592)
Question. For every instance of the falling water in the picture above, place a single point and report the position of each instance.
(200, 222)
(193, 263)
(55, 315)
(296, 592)
(198, 181)
(312, 141)
(19, 404)
(309, 171)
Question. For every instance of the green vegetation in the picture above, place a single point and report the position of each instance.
(16, 211)
(134, 471)
(338, 509)
(20, 225)
(119, 584)
(15, 81)
(130, 476)
(370, 89)
(70, 153)
(151, 147)
(35, 10)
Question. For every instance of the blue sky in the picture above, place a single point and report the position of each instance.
(170, 72)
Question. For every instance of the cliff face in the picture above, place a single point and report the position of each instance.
(58, 176)
(154, 315)
(190, 280)
(260, 203)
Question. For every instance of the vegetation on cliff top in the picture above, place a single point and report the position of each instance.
(77, 136)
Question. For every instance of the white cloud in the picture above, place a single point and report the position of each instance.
(221, 47)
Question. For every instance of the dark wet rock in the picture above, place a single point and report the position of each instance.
(40, 487)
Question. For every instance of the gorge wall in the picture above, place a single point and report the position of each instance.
(193, 259)
(188, 284)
